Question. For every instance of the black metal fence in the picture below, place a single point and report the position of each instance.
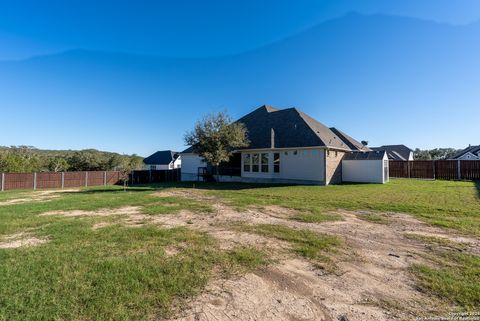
(155, 176)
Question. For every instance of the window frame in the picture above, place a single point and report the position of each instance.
(247, 167)
(276, 162)
(264, 168)
(255, 162)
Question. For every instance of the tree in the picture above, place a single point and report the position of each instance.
(57, 164)
(215, 138)
(125, 168)
(435, 154)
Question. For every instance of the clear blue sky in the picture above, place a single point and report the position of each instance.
(404, 71)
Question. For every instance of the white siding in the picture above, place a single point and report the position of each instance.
(178, 162)
(190, 165)
(305, 165)
(364, 171)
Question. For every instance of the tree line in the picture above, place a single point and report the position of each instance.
(28, 159)
(435, 154)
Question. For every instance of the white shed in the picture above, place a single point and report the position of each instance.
(365, 167)
(190, 164)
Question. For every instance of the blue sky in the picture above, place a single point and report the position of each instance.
(120, 93)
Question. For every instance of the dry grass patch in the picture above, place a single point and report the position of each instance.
(20, 240)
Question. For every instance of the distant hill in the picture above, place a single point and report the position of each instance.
(31, 159)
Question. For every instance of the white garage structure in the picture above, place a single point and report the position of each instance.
(365, 167)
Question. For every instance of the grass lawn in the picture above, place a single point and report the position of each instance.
(113, 273)
(448, 204)
(125, 273)
(456, 275)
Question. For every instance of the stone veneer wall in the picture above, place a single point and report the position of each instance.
(333, 166)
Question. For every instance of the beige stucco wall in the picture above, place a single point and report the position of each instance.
(333, 164)
(295, 164)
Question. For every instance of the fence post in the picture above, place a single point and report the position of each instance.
(105, 178)
(34, 181)
(86, 179)
(150, 176)
(433, 164)
(3, 182)
(63, 180)
(458, 168)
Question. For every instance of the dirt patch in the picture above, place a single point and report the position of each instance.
(20, 240)
(186, 193)
(101, 225)
(276, 293)
(372, 280)
(129, 210)
(41, 196)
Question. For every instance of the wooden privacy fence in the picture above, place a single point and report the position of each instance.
(9, 181)
(436, 169)
(155, 176)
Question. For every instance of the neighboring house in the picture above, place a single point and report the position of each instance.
(396, 152)
(469, 153)
(288, 146)
(162, 160)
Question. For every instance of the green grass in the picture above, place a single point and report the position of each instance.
(447, 204)
(311, 217)
(122, 273)
(167, 205)
(454, 275)
(115, 273)
(112, 273)
(306, 243)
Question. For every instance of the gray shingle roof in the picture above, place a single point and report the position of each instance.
(368, 155)
(472, 149)
(395, 152)
(351, 142)
(163, 157)
(292, 128)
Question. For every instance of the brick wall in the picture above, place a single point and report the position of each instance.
(333, 164)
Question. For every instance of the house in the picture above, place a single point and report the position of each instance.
(288, 146)
(162, 160)
(396, 152)
(469, 153)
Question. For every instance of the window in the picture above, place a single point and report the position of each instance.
(286, 153)
(247, 161)
(276, 162)
(153, 167)
(295, 152)
(264, 162)
(255, 162)
(336, 154)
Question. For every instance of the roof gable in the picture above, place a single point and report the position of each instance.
(395, 152)
(163, 157)
(470, 149)
(352, 143)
